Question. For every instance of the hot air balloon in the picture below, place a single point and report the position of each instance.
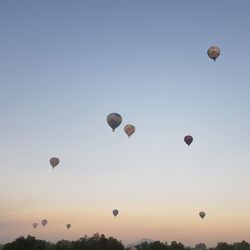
(54, 161)
(213, 52)
(129, 129)
(115, 212)
(44, 222)
(68, 226)
(188, 139)
(202, 214)
(35, 225)
(114, 120)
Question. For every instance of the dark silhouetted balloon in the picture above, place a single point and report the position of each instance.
(114, 120)
(188, 139)
(213, 52)
(68, 226)
(35, 225)
(202, 214)
(54, 161)
(44, 222)
(115, 212)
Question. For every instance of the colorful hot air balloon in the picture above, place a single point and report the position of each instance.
(129, 129)
(213, 52)
(114, 120)
(202, 214)
(115, 212)
(188, 139)
(68, 226)
(35, 225)
(44, 222)
(54, 161)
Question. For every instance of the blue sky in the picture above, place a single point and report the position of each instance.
(65, 65)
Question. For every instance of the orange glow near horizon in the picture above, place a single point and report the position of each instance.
(131, 226)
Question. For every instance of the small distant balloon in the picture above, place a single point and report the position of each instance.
(35, 225)
(188, 139)
(129, 129)
(115, 212)
(68, 226)
(44, 222)
(213, 52)
(114, 120)
(202, 214)
(54, 161)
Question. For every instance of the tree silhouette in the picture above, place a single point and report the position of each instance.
(100, 242)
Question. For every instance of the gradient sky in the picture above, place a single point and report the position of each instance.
(65, 65)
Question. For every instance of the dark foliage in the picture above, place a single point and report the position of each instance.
(100, 242)
(96, 242)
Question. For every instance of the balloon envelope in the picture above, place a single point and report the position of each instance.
(54, 161)
(35, 225)
(68, 226)
(213, 52)
(129, 129)
(115, 212)
(44, 222)
(202, 214)
(114, 120)
(188, 139)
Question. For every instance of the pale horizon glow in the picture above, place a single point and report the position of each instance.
(66, 65)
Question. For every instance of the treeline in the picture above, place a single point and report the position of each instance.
(96, 242)
(157, 245)
(100, 242)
